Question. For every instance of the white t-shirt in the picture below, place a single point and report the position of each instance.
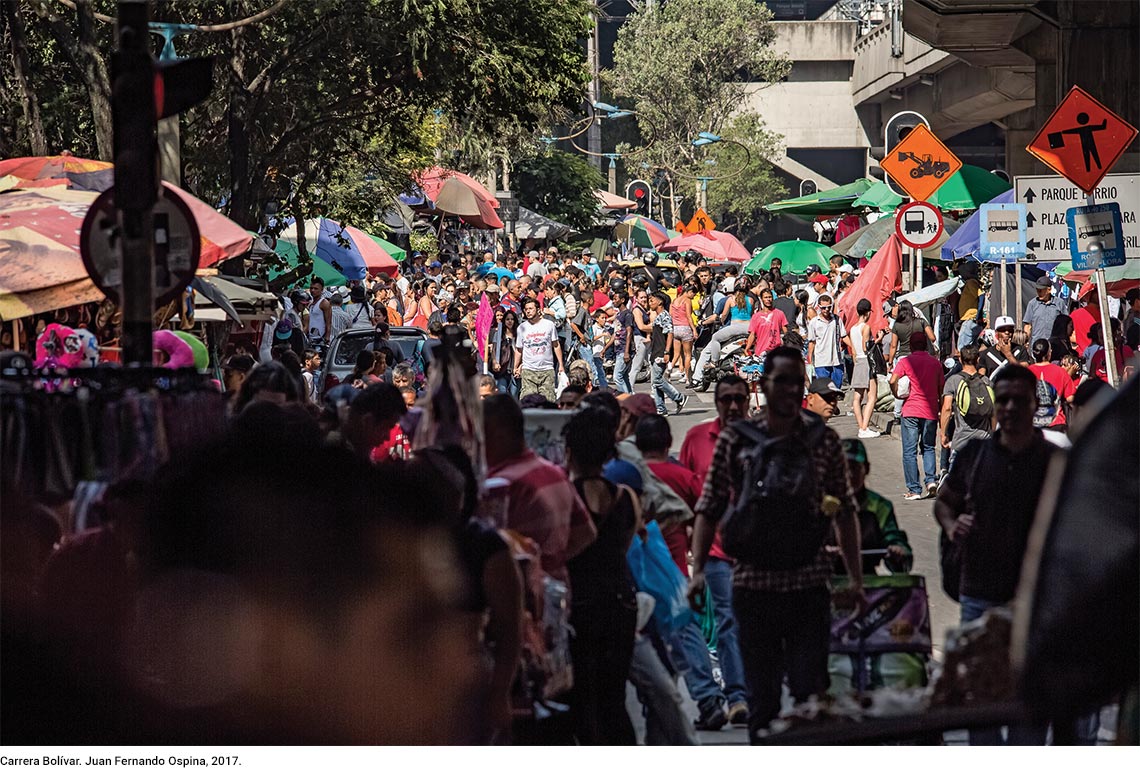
(859, 335)
(826, 336)
(537, 343)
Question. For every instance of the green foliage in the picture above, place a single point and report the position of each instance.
(560, 186)
(686, 65)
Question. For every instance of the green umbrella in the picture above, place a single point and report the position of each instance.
(395, 251)
(879, 197)
(795, 256)
(291, 256)
(831, 202)
(968, 189)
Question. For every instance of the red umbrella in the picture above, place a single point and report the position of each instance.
(879, 279)
(457, 194)
(711, 245)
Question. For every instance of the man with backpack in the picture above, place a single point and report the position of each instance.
(778, 485)
(967, 410)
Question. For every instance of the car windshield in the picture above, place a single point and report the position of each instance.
(350, 347)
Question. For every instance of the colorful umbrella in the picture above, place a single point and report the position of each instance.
(82, 174)
(969, 188)
(879, 279)
(864, 242)
(393, 250)
(456, 194)
(348, 250)
(711, 245)
(641, 231)
(795, 256)
(831, 202)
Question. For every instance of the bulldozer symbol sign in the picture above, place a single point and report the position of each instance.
(920, 163)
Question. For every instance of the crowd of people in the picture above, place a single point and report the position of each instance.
(397, 607)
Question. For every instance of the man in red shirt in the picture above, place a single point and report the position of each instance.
(1061, 382)
(920, 413)
(732, 396)
(767, 327)
(1083, 319)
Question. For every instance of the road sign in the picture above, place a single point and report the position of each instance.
(1095, 236)
(918, 224)
(1082, 139)
(1002, 232)
(508, 206)
(920, 163)
(700, 222)
(1047, 197)
(177, 246)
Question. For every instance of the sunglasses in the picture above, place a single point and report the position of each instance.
(733, 398)
(824, 308)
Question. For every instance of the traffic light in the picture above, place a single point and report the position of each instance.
(895, 131)
(641, 197)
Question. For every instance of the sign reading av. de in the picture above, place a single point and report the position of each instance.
(919, 224)
(1095, 236)
(1002, 232)
(1082, 139)
(1048, 197)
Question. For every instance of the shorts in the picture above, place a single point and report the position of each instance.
(861, 374)
(683, 333)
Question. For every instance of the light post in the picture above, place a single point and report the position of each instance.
(707, 139)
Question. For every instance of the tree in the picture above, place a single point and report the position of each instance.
(687, 66)
(560, 186)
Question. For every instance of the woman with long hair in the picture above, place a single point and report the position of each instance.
(504, 335)
(681, 313)
(425, 303)
(907, 322)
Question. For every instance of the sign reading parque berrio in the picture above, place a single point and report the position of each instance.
(1048, 197)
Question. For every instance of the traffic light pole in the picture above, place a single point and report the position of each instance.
(136, 176)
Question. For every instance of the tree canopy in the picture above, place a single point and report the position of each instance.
(687, 66)
(561, 186)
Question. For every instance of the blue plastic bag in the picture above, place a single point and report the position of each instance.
(655, 573)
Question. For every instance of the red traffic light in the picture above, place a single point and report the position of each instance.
(639, 192)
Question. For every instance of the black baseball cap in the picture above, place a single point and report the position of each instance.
(825, 388)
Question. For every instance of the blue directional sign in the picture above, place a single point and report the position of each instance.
(1095, 236)
(1002, 232)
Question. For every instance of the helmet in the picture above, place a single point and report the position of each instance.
(617, 284)
(692, 255)
(651, 259)
(674, 256)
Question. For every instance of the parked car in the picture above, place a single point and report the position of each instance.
(668, 268)
(340, 358)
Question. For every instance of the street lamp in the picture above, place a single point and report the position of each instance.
(706, 138)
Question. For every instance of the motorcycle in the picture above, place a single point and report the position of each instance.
(724, 365)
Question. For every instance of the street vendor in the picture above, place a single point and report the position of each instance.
(879, 530)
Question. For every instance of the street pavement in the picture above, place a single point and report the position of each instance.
(886, 478)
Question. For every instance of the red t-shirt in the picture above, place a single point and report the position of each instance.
(1083, 319)
(768, 326)
(1061, 382)
(1100, 370)
(687, 485)
(600, 301)
(926, 379)
(696, 455)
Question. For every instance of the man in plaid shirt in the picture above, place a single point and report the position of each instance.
(784, 615)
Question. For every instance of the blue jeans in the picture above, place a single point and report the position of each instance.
(640, 353)
(691, 653)
(662, 388)
(969, 332)
(507, 385)
(973, 608)
(919, 434)
(833, 373)
(621, 372)
(718, 576)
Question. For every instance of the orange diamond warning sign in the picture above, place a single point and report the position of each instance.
(921, 163)
(701, 222)
(1082, 139)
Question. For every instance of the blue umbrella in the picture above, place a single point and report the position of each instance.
(334, 244)
(966, 242)
(498, 273)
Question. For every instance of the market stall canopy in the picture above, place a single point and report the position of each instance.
(968, 189)
(613, 201)
(40, 266)
(865, 241)
(928, 294)
(879, 197)
(641, 231)
(832, 202)
(231, 299)
(535, 226)
(1118, 280)
(711, 245)
(76, 172)
(795, 256)
(879, 279)
(966, 242)
(453, 193)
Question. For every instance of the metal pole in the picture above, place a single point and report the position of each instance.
(1105, 321)
(1017, 293)
(918, 270)
(613, 177)
(1004, 287)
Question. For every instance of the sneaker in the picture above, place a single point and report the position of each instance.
(914, 497)
(867, 433)
(738, 713)
(932, 490)
(682, 402)
(663, 412)
(714, 720)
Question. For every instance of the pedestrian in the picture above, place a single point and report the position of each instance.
(823, 398)
(767, 328)
(967, 405)
(907, 322)
(537, 351)
(503, 353)
(826, 338)
(1041, 311)
(986, 507)
(863, 381)
(734, 319)
(968, 305)
(604, 611)
(642, 327)
(782, 572)
(1055, 389)
(920, 413)
(623, 341)
(1083, 320)
(311, 365)
(878, 526)
(320, 314)
(1004, 350)
(373, 420)
(660, 345)
(681, 313)
(543, 504)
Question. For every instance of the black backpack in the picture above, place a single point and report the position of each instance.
(777, 523)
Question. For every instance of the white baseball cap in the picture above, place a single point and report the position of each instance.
(1004, 322)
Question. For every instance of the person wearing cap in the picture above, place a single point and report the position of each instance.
(288, 333)
(920, 414)
(535, 267)
(434, 271)
(826, 338)
(234, 372)
(1042, 311)
(817, 287)
(879, 528)
(823, 398)
(1004, 350)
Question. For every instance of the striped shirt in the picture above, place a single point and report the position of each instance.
(725, 480)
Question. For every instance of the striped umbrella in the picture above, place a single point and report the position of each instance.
(348, 250)
(641, 231)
